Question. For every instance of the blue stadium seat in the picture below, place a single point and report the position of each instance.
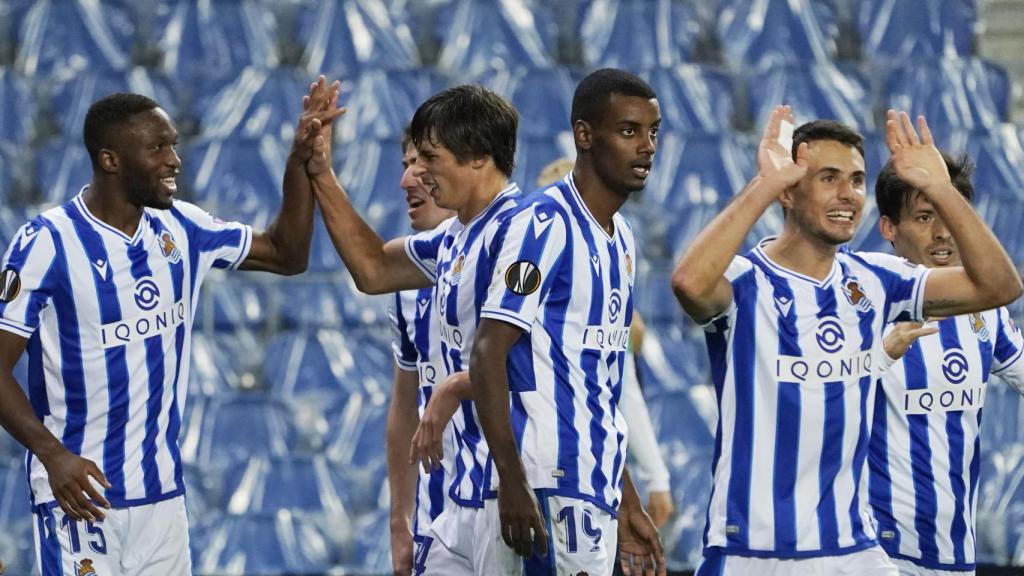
(638, 34)
(236, 179)
(478, 35)
(343, 37)
(253, 104)
(758, 33)
(912, 29)
(213, 370)
(382, 103)
(331, 302)
(691, 490)
(300, 484)
(263, 545)
(969, 94)
(370, 553)
(18, 108)
(17, 546)
(820, 90)
(238, 302)
(92, 36)
(356, 445)
(693, 98)
(15, 505)
(371, 172)
(674, 357)
(214, 40)
(69, 99)
(534, 154)
(311, 363)
(236, 427)
(62, 168)
(542, 96)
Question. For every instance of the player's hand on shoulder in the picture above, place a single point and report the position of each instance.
(70, 480)
(916, 159)
(775, 162)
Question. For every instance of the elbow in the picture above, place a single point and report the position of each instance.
(1012, 290)
(684, 286)
(367, 284)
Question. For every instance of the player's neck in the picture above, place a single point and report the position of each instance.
(111, 207)
(797, 253)
(601, 201)
(486, 190)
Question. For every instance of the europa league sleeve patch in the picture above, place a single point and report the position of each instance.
(10, 285)
(523, 278)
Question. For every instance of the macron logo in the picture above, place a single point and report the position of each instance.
(101, 268)
(423, 302)
(541, 222)
(27, 237)
(784, 305)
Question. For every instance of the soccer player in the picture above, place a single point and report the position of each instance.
(553, 332)
(418, 367)
(794, 330)
(102, 292)
(925, 449)
(466, 138)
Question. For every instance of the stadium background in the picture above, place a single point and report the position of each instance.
(283, 431)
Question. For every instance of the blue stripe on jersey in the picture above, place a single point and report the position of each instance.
(36, 377)
(49, 543)
(832, 438)
(955, 433)
(860, 453)
(616, 360)
(176, 408)
(1005, 351)
(880, 484)
(72, 368)
(192, 231)
(422, 344)
(925, 501)
(435, 484)
(743, 361)
(118, 393)
(718, 346)
(139, 258)
(406, 349)
(787, 439)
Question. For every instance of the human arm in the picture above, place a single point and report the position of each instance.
(987, 278)
(68, 474)
(640, 549)
(283, 248)
(643, 445)
(902, 336)
(520, 521)
(402, 420)
(428, 442)
(698, 280)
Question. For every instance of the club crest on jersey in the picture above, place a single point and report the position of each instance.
(84, 568)
(10, 285)
(523, 278)
(979, 327)
(169, 248)
(457, 269)
(856, 296)
(629, 267)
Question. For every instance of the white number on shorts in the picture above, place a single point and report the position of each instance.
(590, 531)
(98, 543)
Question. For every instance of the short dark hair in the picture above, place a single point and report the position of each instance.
(827, 130)
(107, 114)
(406, 137)
(472, 122)
(892, 193)
(593, 92)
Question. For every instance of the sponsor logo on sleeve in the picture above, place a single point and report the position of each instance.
(523, 278)
(10, 285)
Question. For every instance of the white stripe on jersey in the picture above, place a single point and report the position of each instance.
(109, 320)
(793, 361)
(925, 442)
(560, 277)
(454, 256)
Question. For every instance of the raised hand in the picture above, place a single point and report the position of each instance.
(640, 550)
(774, 161)
(69, 476)
(315, 129)
(916, 159)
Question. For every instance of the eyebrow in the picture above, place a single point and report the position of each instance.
(835, 170)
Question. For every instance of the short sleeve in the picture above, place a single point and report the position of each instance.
(401, 343)
(526, 251)
(903, 283)
(1008, 361)
(224, 244)
(738, 268)
(423, 248)
(25, 284)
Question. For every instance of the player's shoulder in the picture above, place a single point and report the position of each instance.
(876, 260)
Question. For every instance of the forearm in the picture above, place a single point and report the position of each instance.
(708, 257)
(19, 419)
(489, 382)
(291, 232)
(401, 425)
(360, 247)
(630, 497)
(984, 259)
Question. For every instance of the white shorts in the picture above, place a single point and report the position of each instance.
(141, 540)
(870, 562)
(458, 545)
(908, 568)
(582, 538)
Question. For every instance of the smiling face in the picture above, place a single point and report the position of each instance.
(424, 213)
(827, 204)
(623, 142)
(921, 235)
(148, 161)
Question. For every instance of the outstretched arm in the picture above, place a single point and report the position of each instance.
(284, 247)
(698, 280)
(988, 278)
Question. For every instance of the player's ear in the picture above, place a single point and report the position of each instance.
(479, 162)
(581, 132)
(788, 198)
(108, 160)
(887, 228)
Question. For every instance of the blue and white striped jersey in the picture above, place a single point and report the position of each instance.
(794, 362)
(109, 321)
(568, 285)
(417, 347)
(455, 257)
(925, 454)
